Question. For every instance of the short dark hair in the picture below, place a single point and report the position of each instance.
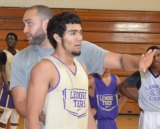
(44, 11)
(57, 24)
(153, 47)
(11, 33)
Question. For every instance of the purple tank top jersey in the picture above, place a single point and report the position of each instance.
(105, 102)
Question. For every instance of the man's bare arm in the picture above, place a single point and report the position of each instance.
(39, 83)
(19, 95)
(91, 121)
(123, 90)
(128, 62)
(121, 98)
(121, 61)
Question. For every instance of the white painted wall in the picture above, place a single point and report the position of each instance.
(143, 5)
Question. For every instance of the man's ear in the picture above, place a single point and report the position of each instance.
(57, 38)
(44, 24)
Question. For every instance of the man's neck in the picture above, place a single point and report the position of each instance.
(155, 71)
(46, 44)
(64, 57)
(12, 50)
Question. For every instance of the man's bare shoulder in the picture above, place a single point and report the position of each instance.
(43, 65)
(44, 73)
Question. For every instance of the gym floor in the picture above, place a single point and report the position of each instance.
(123, 122)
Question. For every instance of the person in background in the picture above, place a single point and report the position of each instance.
(103, 95)
(6, 100)
(148, 86)
(3, 60)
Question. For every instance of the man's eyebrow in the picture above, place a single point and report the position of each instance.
(27, 20)
(74, 30)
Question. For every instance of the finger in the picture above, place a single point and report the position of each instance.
(144, 70)
(149, 51)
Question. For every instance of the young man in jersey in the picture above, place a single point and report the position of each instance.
(148, 85)
(103, 96)
(59, 82)
(6, 100)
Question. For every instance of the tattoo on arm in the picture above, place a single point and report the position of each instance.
(122, 63)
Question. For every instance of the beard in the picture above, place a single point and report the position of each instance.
(39, 38)
(74, 53)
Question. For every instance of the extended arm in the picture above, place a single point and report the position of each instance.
(96, 59)
(121, 61)
(128, 62)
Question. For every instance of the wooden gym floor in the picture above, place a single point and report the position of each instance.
(123, 122)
